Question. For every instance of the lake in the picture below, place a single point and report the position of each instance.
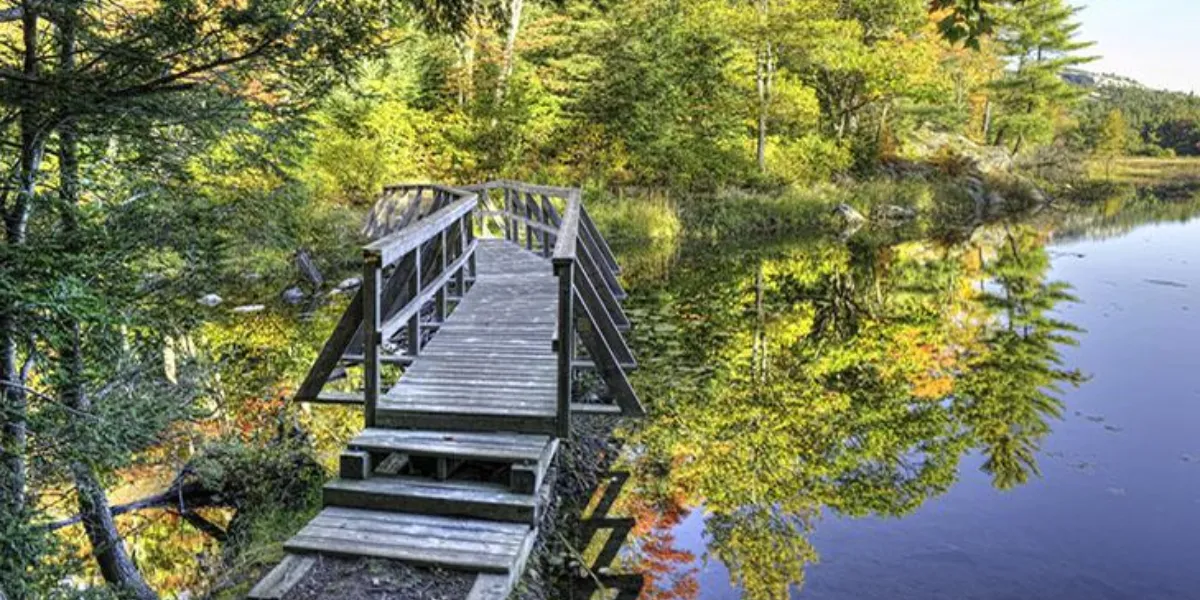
(878, 417)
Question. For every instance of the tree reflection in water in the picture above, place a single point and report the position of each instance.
(825, 375)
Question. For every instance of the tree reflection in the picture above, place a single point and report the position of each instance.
(851, 378)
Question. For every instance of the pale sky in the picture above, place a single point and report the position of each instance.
(1152, 41)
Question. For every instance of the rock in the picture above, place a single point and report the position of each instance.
(995, 203)
(293, 295)
(210, 300)
(248, 308)
(349, 284)
(848, 213)
(892, 212)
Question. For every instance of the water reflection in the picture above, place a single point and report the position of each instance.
(824, 375)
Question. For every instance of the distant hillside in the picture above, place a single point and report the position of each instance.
(1161, 122)
(1089, 79)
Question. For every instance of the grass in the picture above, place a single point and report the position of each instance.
(1148, 171)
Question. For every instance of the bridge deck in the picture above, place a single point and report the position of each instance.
(490, 366)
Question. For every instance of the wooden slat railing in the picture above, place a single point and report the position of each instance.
(428, 247)
(431, 253)
(553, 222)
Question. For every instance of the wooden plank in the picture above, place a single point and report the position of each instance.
(450, 405)
(353, 464)
(372, 280)
(599, 316)
(399, 536)
(466, 421)
(498, 447)
(289, 572)
(595, 409)
(466, 526)
(422, 526)
(595, 273)
(444, 498)
(493, 586)
(605, 251)
(387, 359)
(347, 327)
(337, 398)
(607, 361)
(416, 555)
(564, 247)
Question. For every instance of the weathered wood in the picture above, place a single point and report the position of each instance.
(608, 361)
(416, 417)
(392, 464)
(568, 232)
(470, 544)
(276, 585)
(598, 315)
(354, 464)
(492, 586)
(334, 397)
(445, 498)
(595, 274)
(387, 359)
(565, 342)
(372, 274)
(404, 241)
(411, 309)
(606, 252)
(345, 330)
(488, 447)
(487, 387)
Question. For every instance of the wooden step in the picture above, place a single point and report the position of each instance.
(529, 456)
(466, 418)
(492, 447)
(448, 542)
(423, 496)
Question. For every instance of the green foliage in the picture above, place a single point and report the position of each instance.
(1160, 123)
(1038, 38)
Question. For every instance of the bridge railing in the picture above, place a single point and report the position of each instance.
(428, 255)
(554, 222)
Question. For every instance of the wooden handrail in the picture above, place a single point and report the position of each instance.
(391, 247)
(568, 231)
(421, 261)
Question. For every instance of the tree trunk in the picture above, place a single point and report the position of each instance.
(107, 546)
(510, 44)
(764, 78)
(987, 119)
(13, 409)
(764, 103)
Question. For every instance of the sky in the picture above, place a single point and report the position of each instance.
(1151, 41)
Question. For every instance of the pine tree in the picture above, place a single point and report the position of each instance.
(1037, 37)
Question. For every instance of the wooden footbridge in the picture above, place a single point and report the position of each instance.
(481, 311)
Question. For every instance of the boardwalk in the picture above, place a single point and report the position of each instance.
(450, 466)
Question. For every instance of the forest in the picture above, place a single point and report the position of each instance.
(166, 160)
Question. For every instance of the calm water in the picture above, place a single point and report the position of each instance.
(876, 419)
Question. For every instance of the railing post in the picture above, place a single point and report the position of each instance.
(372, 280)
(471, 263)
(439, 301)
(460, 279)
(529, 222)
(565, 270)
(414, 322)
(510, 224)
